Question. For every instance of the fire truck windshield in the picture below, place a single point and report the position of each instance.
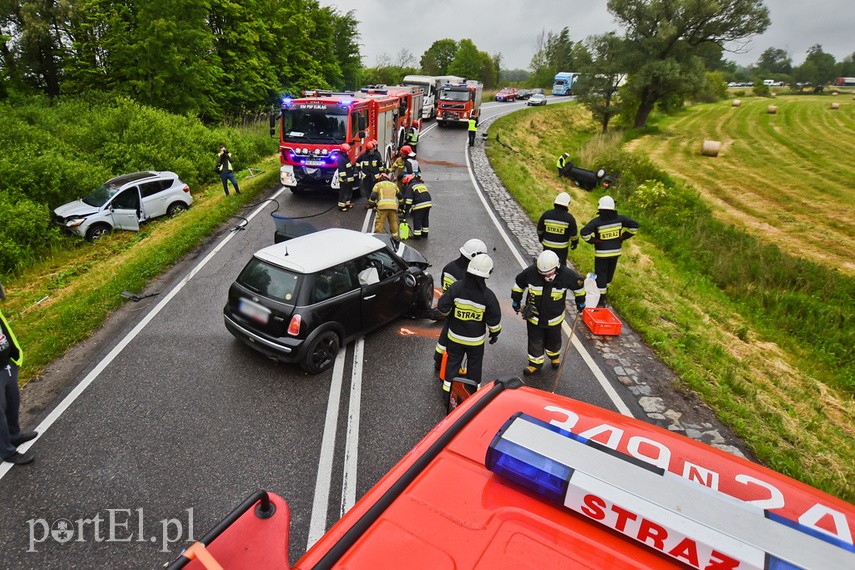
(449, 94)
(320, 124)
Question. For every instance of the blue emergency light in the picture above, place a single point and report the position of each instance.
(571, 470)
(286, 101)
(544, 476)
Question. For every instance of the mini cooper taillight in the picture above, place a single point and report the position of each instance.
(294, 325)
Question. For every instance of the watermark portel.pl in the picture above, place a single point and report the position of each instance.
(116, 525)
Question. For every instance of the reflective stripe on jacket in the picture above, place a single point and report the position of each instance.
(608, 231)
(17, 346)
(548, 298)
(471, 309)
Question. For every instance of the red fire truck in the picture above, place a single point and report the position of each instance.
(313, 127)
(458, 102)
(521, 478)
(411, 101)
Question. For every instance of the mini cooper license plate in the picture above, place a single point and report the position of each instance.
(254, 311)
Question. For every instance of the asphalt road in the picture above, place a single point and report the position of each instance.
(175, 422)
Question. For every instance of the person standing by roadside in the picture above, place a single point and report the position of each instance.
(225, 169)
(453, 272)
(473, 129)
(11, 358)
(546, 283)
(473, 311)
(607, 232)
(557, 229)
(413, 138)
(385, 198)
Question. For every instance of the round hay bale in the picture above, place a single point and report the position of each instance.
(835, 105)
(710, 148)
(736, 103)
(834, 93)
(773, 94)
(772, 109)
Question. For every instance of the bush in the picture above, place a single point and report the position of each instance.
(55, 152)
(760, 89)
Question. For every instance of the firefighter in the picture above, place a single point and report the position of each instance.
(545, 284)
(411, 165)
(472, 310)
(385, 198)
(413, 138)
(11, 358)
(473, 129)
(556, 228)
(370, 165)
(453, 272)
(399, 166)
(346, 179)
(563, 165)
(417, 200)
(607, 232)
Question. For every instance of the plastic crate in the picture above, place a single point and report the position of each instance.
(601, 321)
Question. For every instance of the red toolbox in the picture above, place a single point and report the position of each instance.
(601, 321)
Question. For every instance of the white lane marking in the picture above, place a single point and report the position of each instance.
(320, 504)
(351, 448)
(586, 357)
(107, 360)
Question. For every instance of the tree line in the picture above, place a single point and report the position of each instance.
(207, 58)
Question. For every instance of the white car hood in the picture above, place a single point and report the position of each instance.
(76, 208)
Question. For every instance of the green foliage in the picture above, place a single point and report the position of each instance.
(209, 58)
(819, 69)
(774, 61)
(668, 40)
(713, 89)
(760, 89)
(599, 85)
(51, 154)
(467, 62)
(438, 57)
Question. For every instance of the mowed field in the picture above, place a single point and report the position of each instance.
(788, 177)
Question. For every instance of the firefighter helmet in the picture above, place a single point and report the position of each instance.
(345, 147)
(406, 150)
(473, 247)
(563, 199)
(547, 262)
(481, 265)
(407, 179)
(601, 173)
(369, 145)
(606, 203)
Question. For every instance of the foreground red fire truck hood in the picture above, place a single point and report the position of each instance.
(517, 477)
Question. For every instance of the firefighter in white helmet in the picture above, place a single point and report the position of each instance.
(545, 285)
(455, 271)
(607, 232)
(557, 228)
(473, 312)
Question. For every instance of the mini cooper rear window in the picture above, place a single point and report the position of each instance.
(269, 281)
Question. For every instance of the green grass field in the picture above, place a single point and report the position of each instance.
(767, 347)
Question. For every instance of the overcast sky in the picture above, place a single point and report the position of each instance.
(512, 26)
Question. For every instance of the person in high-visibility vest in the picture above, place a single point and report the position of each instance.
(370, 165)
(473, 128)
(563, 165)
(385, 199)
(225, 170)
(413, 138)
(607, 232)
(11, 358)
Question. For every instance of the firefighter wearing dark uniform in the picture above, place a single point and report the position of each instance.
(563, 165)
(472, 311)
(546, 283)
(557, 229)
(453, 272)
(418, 201)
(385, 198)
(346, 179)
(473, 129)
(607, 232)
(370, 165)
